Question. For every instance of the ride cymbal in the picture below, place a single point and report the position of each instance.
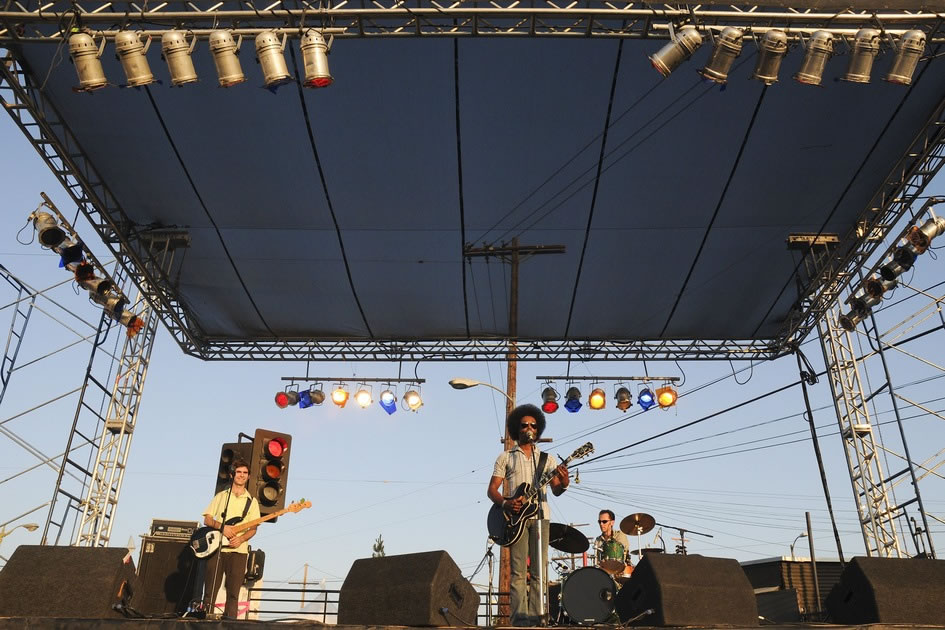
(637, 524)
(567, 539)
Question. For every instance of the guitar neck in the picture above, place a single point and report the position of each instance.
(242, 527)
(546, 479)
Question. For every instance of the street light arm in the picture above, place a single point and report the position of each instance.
(466, 383)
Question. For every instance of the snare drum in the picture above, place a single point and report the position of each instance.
(611, 556)
(588, 596)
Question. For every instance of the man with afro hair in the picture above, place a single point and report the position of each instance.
(520, 465)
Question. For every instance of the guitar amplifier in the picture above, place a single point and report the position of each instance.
(173, 530)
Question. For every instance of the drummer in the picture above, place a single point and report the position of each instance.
(607, 534)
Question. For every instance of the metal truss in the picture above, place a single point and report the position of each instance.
(22, 309)
(499, 18)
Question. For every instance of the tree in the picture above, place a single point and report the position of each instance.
(378, 547)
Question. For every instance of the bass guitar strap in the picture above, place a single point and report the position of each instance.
(540, 470)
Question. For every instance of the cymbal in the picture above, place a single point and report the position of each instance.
(645, 551)
(637, 524)
(566, 538)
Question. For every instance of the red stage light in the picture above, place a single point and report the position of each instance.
(549, 406)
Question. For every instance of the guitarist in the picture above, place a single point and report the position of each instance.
(525, 463)
(231, 561)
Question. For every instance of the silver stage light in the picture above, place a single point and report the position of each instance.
(877, 287)
(770, 54)
(113, 304)
(177, 55)
(47, 229)
(132, 54)
(269, 52)
(226, 58)
(860, 307)
(921, 237)
(97, 285)
(911, 47)
(727, 48)
(819, 50)
(315, 57)
(865, 49)
(85, 56)
(685, 42)
(903, 259)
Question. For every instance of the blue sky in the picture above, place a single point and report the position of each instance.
(418, 479)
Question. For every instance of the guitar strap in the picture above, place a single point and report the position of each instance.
(539, 471)
(246, 509)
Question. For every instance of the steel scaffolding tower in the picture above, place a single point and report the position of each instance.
(22, 309)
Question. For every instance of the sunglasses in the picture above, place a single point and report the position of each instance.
(526, 425)
(603, 521)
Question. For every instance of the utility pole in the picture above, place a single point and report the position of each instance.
(514, 254)
(304, 584)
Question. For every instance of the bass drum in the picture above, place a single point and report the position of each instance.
(588, 596)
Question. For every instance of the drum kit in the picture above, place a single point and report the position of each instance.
(585, 596)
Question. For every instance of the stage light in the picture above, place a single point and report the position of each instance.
(860, 307)
(412, 400)
(645, 398)
(666, 396)
(315, 58)
(388, 401)
(911, 47)
(573, 400)
(70, 254)
(865, 49)
(363, 397)
(226, 58)
(84, 271)
(685, 42)
(131, 322)
(727, 47)
(305, 399)
(770, 54)
(47, 229)
(921, 237)
(903, 259)
(85, 57)
(597, 399)
(339, 396)
(286, 398)
(113, 304)
(877, 287)
(549, 399)
(177, 55)
(269, 53)
(97, 285)
(132, 54)
(819, 50)
(623, 398)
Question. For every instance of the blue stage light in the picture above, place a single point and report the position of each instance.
(645, 398)
(573, 403)
(70, 254)
(388, 401)
(305, 399)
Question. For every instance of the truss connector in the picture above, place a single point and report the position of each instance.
(165, 238)
(804, 240)
(118, 426)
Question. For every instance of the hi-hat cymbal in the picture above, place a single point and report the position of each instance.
(567, 539)
(637, 524)
(645, 551)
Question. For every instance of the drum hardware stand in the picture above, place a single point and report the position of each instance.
(681, 547)
(489, 559)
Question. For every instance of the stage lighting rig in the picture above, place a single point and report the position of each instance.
(340, 394)
(132, 54)
(864, 51)
(771, 53)
(269, 53)
(911, 47)
(683, 44)
(645, 398)
(226, 57)
(315, 50)
(727, 48)
(85, 54)
(819, 51)
(177, 52)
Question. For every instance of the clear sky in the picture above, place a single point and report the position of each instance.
(744, 476)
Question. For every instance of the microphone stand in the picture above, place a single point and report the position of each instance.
(489, 594)
(681, 547)
(219, 566)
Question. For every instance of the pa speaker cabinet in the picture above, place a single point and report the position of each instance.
(889, 590)
(687, 591)
(407, 590)
(78, 582)
(165, 576)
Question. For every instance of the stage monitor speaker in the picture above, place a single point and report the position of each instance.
(414, 589)
(77, 582)
(889, 590)
(165, 577)
(687, 591)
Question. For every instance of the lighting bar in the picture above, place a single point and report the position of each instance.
(609, 378)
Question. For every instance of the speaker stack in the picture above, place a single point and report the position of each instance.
(889, 590)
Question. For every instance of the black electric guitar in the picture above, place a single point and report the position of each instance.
(206, 541)
(506, 527)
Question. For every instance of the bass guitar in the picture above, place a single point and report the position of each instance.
(206, 541)
(506, 527)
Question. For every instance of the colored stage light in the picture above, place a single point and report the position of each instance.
(685, 42)
(727, 47)
(310, 397)
(921, 237)
(177, 54)
(771, 52)
(645, 398)
(226, 57)
(132, 54)
(388, 401)
(269, 53)
(47, 229)
(412, 400)
(865, 49)
(286, 398)
(84, 271)
(339, 396)
(597, 399)
(549, 400)
(132, 323)
(315, 57)
(623, 398)
(911, 48)
(70, 254)
(573, 400)
(363, 397)
(819, 50)
(85, 55)
(666, 396)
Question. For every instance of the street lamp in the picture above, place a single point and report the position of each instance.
(466, 383)
(799, 536)
(32, 527)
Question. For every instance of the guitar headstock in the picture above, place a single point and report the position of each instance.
(299, 505)
(582, 451)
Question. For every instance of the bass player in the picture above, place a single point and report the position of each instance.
(525, 463)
